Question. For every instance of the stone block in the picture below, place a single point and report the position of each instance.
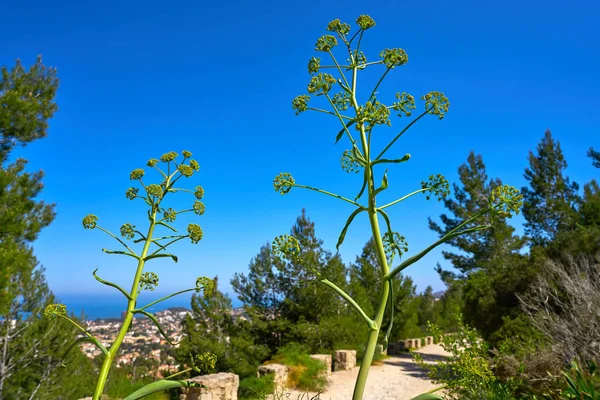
(221, 386)
(279, 372)
(396, 347)
(324, 359)
(428, 340)
(380, 349)
(345, 360)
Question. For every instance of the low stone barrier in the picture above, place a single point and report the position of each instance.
(396, 347)
(280, 375)
(428, 340)
(324, 359)
(221, 386)
(345, 360)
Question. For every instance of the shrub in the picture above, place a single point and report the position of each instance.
(305, 373)
(255, 388)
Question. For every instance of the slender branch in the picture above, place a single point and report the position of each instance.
(417, 257)
(163, 298)
(328, 112)
(338, 68)
(92, 337)
(372, 325)
(341, 119)
(164, 247)
(378, 83)
(178, 373)
(115, 237)
(400, 134)
(402, 198)
(330, 194)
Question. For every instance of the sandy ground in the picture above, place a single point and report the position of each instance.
(399, 378)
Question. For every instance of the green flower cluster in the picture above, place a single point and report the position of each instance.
(89, 221)
(505, 200)
(195, 233)
(186, 154)
(358, 58)
(152, 162)
(169, 215)
(405, 104)
(300, 103)
(436, 185)
(341, 101)
(131, 193)
(313, 65)
(54, 310)
(206, 284)
(394, 57)
(199, 192)
(128, 231)
(286, 246)
(396, 242)
(148, 281)
(321, 84)
(195, 166)
(349, 163)
(338, 27)
(136, 174)
(154, 190)
(204, 362)
(283, 183)
(436, 103)
(374, 113)
(198, 207)
(185, 170)
(168, 157)
(365, 22)
(326, 43)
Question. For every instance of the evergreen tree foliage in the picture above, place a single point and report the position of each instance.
(31, 347)
(550, 199)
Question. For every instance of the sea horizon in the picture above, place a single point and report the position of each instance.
(92, 306)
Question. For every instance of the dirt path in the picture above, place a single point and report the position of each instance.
(399, 378)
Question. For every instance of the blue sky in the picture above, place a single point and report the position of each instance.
(139, 79)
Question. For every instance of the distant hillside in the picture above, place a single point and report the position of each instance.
(439, 294)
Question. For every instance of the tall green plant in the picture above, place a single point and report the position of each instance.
(153, 247)
(362, 157)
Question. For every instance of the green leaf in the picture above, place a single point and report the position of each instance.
(424, 396)
(358, 156)
(166, 226)
(82, 340)
(384, 184)
(341, 133)
(153, 319)
(396, 161)
(343, 234)
(150, 257)
(111, 284)
(362, 189)
(160, 386)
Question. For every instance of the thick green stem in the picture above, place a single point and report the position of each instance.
(114, 348)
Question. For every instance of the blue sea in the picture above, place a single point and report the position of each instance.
(94, 305)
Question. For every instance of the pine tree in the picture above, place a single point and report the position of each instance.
(550, 199)
(30, 347)
(595, 156)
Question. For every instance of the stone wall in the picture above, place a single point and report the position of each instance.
(221, 386)
(280, 375)
(345, 360)
(324, 359)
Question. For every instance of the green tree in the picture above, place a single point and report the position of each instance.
(595, 156)
(30, 347)
(550, 199)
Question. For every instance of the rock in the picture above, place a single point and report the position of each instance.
(280, 375)
(428, 340)
(221, 386)
(326, 360)
(345, 360)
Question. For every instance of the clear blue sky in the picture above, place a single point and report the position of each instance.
(139, 79)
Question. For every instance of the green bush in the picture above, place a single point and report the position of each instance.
(256, 388)
(304, 372)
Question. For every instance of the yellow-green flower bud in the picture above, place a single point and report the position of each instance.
(136, 174)
(283, 182)
(128, 231)
(436, 103)
(148, 281)
(54, 310)
(505, 200)
(198, 207)
(89, 221)
(396, 243)
(154, 190)
(300, 103)
(436, 185)
(349, 163)
(321, 83)
(313, 65)
(195, 166)
(199, 192)
(185, 170)
(286, 246)
(131, 193)
(167, 157)
(204, 362)
(405, 104)
(393, 57)
(206, 284)
(169, 215)
(186, 154)
(338, 27)
(326, 43)
(365, 22)
(195, 233)
(152, 162)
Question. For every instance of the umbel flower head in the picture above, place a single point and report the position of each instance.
(195, 233)
(436, 103)
(89, 221)
(349, 163)
(436, 185)
(131, 193)
(154, 190)
(313, 65)
(300, 103)
(185, 170)
(152, 162)
(338, 27)
(341, 101)
(199, 207)
(204, 362)
(128, 231)
(136, 174)
(505, 200)
(148, 281)
(394, 57)
(286, 246)
(395, 243)
(283, 182)
(170, 215)
(186, 154)
(54, 310)
(326, 43)
(206, 284)
(194, 165)
(321, 84)
(365, 22)
(199, 192)
(168, 157)
(405, 104)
